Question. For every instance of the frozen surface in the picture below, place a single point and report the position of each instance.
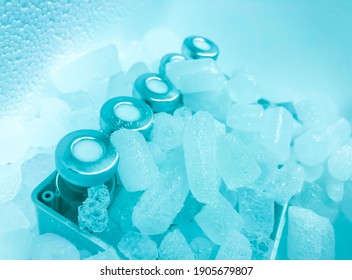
(235, 247)
(136, 246)
(174, 246)
(200, 157)
(310, 236)
(137, 168)
(218, 218)
(51, 246)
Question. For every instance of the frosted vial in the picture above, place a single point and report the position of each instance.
(83, 158)
(158, 92)
(126, 112)
(195, 47)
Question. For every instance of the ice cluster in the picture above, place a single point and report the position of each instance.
(208, 182)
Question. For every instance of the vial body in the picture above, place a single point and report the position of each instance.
(84, 158)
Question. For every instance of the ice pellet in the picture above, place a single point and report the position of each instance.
(136, 246)
(200, 156)
(10, 182)
(16, 245)
(245, 117)
(160, 203)
(310, 236)
(286, 182)
(137, 168)
(235, 247)
(257, 210)
(167, 131)
(202, 248)
(183, 113)
(314, 146)
(243, 89)
(216, 103)
(276, 131)
(313, 173)
(12, 218)
(340, 162)
(236, 163)
(218, 218)
(96, 65)
(334, 189)
(313, 196)
(175, 247)
(50, 246)
(197, 75)
(122, 207)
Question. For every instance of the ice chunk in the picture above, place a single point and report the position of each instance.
(236, 163)
(314, 197)
(92, 214)
(218, 218)
(340, 162)
(122, 207)
(175, 247)
(257, 210)
(183, 113)
(235, 247)
(137, 168)
(13, 140)
(109, 254)
(245, 117)
(51, 246)
(313, 173)
(167, 131)
(36, 169)
(160, 203)
(287, 181)
(200, 156)
(159, 155)
(96, 65)
(310, 236)
(276, 131)
(313, 114)
(97, 92)
(261, 245)
(44, 133)
(243, 89)
(216, 103)
(16, 245)
(195, 75)
(346, 203)
(202, 248)
(122, 83)
(136, 246)
(334, 189)
(314, 146)
(12, 218)
(10, 181)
